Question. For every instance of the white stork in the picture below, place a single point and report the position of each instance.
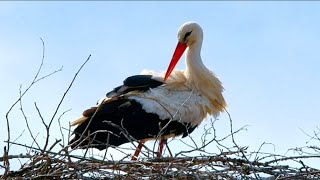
(155, 106)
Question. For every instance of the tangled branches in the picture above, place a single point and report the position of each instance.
(229, 165)
(228, 161)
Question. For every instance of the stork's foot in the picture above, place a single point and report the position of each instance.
(138, 150)
(162, 143)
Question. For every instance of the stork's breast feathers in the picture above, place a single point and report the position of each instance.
(183, 105)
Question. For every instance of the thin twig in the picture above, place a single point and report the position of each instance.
(35, 80)
(61, 100)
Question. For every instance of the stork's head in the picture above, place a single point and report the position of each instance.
(188, 34)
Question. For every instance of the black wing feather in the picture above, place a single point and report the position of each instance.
(120, 116)
(135, 83)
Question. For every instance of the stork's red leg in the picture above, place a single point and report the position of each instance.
(138, 150)
(161, 145)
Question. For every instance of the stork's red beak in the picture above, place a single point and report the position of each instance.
(181, 47)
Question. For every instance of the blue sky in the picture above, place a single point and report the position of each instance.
(265, 53)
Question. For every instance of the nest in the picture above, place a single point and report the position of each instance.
(229, 165)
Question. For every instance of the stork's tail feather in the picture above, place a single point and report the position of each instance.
(79, 121)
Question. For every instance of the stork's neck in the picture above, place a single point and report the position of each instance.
(202, 79)
(195, 66)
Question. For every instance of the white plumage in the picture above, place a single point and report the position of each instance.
(175, 101)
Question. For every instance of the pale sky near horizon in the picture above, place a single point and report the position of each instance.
(265, 53)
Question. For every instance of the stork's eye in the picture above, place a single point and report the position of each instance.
(186, 36)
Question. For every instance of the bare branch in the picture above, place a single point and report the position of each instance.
(35, 80)
(61, 100)
(60, 127)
